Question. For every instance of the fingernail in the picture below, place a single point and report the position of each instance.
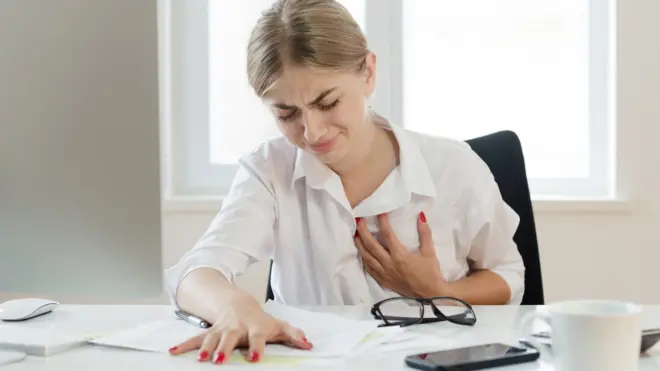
(307, 341)
(357, 220)
(172, 349)
(203, 355)
(254, 357)
(220, 357)
(422, 217)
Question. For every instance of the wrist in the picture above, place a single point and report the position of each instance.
(438, 288)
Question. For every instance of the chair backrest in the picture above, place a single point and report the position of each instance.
(503, 154)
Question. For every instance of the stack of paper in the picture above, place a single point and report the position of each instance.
(333, 336)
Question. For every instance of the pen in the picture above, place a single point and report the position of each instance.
(192, 319)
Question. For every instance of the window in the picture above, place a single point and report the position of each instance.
(452, 68)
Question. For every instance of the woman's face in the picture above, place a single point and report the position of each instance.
(324, 112)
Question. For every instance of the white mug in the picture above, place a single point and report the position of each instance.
(598, 335)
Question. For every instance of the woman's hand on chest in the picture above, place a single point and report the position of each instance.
(409, 273)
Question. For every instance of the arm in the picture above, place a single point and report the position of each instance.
(205, 291)
(497, 272)
(241, 234)
(490, 281)
(496, 268)
(482, 287)
(417, 273)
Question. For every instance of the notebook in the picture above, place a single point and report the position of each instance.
(38, 342)
(7, 357)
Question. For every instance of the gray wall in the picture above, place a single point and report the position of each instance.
(79, 148)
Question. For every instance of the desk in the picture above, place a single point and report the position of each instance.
(495, 323)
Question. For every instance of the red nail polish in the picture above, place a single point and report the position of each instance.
(422, 217)
(220, 357)
(203, 355)
(357, 220)
(172, 349)
(254, 357)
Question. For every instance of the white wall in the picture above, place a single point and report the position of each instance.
(589, 250)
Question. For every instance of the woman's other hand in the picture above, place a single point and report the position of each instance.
(244, 324)
(409, 273)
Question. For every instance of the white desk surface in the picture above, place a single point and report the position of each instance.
(495, 324)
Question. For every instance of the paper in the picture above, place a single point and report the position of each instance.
(408, 341)
(157, 336)
(332, 335)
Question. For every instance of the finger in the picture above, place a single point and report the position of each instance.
(209, 345)
(386, 230)
(369, 261)
(388, 235)
(376, 275)
(257, 339)
(371, 244)
(228, 342)
(188, 345)
(426, 247)
(296, 337)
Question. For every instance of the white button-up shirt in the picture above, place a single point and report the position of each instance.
(287, 206)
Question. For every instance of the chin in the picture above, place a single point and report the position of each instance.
(334, 156)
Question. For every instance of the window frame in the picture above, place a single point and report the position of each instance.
(190, 172)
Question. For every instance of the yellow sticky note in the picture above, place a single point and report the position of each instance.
(268, 360)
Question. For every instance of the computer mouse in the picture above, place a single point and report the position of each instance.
(24, 309)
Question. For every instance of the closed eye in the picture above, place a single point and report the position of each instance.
(328, 107)
(295, 112)
(288, 117)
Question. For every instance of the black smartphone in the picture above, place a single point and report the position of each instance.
(472, 358)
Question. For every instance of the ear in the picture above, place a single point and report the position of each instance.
(370, 73)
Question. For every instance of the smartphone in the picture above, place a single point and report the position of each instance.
(472, 358)
(650, 337)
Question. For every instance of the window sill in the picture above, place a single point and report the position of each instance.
(614, 205)
(208, 204)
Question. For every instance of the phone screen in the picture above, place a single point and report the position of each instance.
(471, 354)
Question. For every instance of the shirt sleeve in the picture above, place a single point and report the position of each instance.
(239, 235)
(489, 225)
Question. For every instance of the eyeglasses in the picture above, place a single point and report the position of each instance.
(405, 311)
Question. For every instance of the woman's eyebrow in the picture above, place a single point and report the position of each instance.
(320, 97)
(316, 100)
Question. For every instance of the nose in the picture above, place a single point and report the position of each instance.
(315, 127)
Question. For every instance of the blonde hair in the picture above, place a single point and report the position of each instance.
(308, 33)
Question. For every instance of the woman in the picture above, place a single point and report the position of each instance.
(352, 209)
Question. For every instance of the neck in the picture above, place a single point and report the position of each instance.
(380, 153)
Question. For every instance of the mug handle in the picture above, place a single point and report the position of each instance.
(527, 327)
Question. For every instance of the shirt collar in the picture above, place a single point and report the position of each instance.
(413, 166)
(314, 171)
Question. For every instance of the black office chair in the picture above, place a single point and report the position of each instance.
(503, 154)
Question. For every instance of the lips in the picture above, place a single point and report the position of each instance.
(324, 146)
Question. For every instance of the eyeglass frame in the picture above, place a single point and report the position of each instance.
(409, 321)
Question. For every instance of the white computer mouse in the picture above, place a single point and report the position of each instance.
(23, 309)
